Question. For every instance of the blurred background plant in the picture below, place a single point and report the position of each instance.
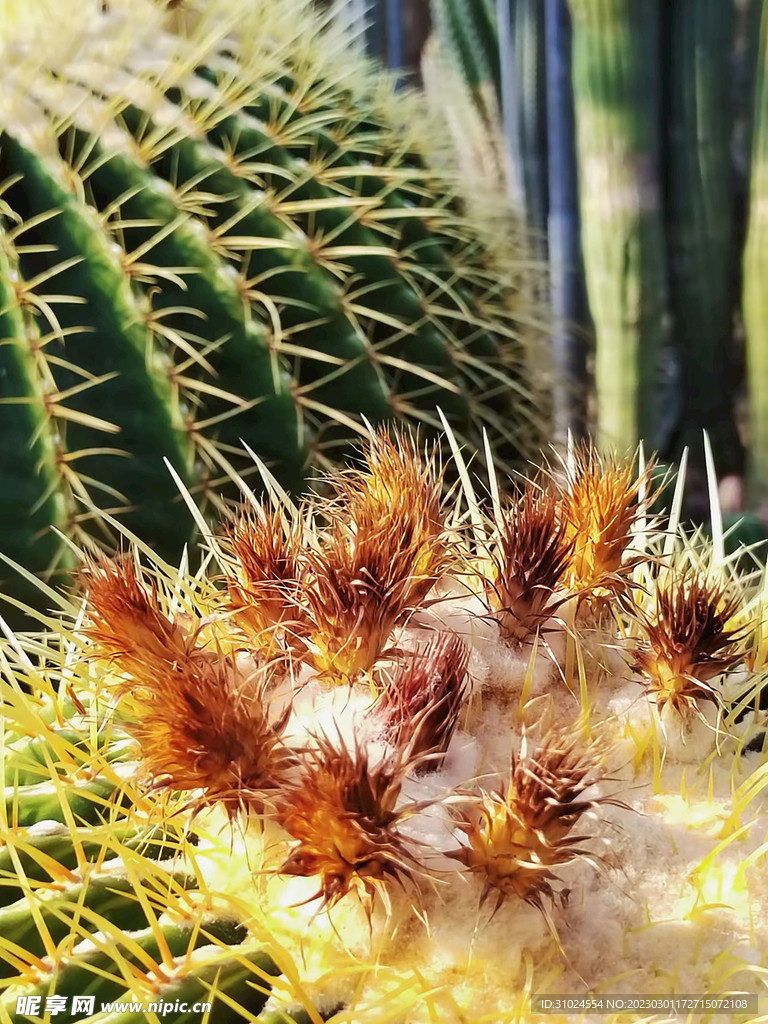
(631, 139)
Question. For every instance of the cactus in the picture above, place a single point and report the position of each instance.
(470, 34)
(617, 101)
(235, 239)
(414, 760)
(700, 218)
(566, 273)
(616, 95)
(526, 94)
(754, 269)
(503, 65)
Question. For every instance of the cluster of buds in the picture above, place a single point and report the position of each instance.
(345, 816)
(600, 507)
(559, 541)
(335, 602)
(264, 594)
(329, 602)
(534, 556)
(202, 720)
(424, 700)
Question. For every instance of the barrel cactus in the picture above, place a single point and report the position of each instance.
(222, 235)
(391, 758)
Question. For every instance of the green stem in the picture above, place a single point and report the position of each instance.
(755, 295)
(700, 219)
(616, 95)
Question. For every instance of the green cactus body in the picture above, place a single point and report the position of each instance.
(469, 31)
(121, 940)
(29, 465)
(49, 776)
(137, 400)
(755, 275)
(90, 971)
(230, 247)
(236, 987)
(88, 801)
(79, 904)
(48, 851)
(617, 96)
(26, 761)
(700, 218)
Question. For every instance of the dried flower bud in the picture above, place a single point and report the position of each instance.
(424, 700)
(520, 832)
(687, 640)
(344, 815)
(535, 553)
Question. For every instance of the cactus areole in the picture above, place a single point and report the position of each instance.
(391, 758)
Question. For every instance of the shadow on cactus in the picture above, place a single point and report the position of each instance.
(221, 235)
(222, 789)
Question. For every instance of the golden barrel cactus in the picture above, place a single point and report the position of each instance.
(389, 757)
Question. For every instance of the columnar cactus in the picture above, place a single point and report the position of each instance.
(617, 102)
(392, 758)
(700, 231)
(503, 65)
(755, 268)
(219, 236)
(470, 34)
